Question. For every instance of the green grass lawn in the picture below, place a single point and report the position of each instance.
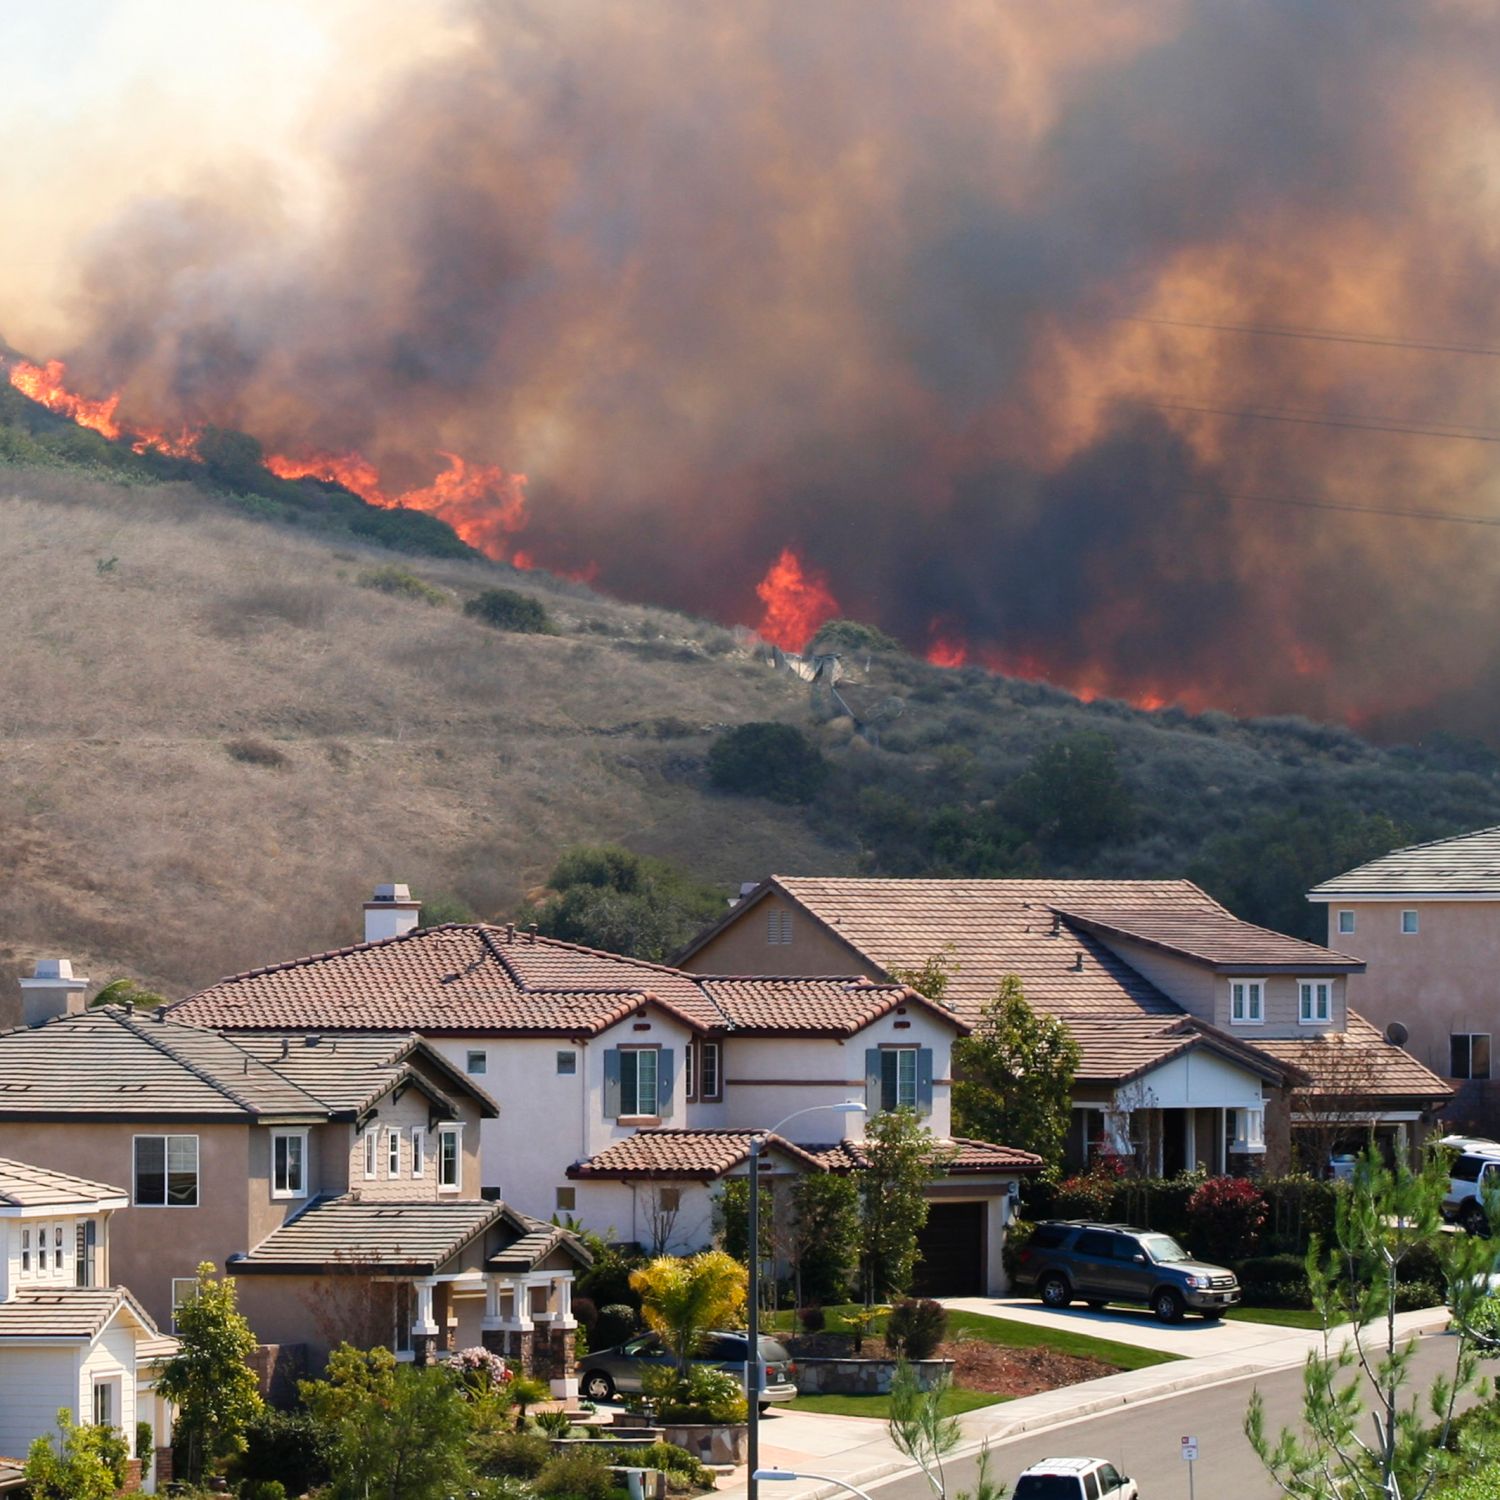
(1288, 1317)
(958, 1400)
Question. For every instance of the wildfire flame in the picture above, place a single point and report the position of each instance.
(44, 383)
(796, 602)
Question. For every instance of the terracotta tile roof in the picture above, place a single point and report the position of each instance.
(701, 1155)
(471, 978)
(537, 1242)
(12, 1474)
(68, 1312)
(1118, 1049)
(1467, 864)
(25, 1186)
(1359, 1059)
(963, 1155)
(1210, 936)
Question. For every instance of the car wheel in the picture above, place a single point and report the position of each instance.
(1474, 1220)
(597, 1386)
(1167, 1306)
(1096, 1305)
(1054, 1290)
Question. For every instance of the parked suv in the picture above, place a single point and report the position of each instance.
(605, 1371)
(1474, 1175)
(1074, 1479)
(1069, 1258)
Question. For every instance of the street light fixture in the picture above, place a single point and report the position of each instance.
(752, 1369)
(843, 1484)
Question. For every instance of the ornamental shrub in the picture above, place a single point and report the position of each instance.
(767, 760)
(517, 1455)
(915, 1328)
(580, 1475)
(617, 1322)
(505, 609)
(1089, 1194)
(704, 1394)
(1226, 1215)
(1274, 1281)
(812, 1318)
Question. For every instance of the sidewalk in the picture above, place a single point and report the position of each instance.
(858, 1450)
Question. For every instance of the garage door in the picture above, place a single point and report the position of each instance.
(952, 1252)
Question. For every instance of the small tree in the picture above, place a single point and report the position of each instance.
(731, 1213)
(663, 1208)
(933, 976)
(394, 1432)
(767, 760)
(82, 1463)
(901, 1156)
(920, 1430)
(1385, 1219)
(825, 1234)
(683, 1299)
(209, 1379)
(505, 609)
(1072, 797)
(1015, 1077)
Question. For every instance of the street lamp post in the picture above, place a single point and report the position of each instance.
(752, 1368)
(779, 1474)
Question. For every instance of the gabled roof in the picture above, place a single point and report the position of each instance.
(700, 1155)
(537, 1241)
(1211, 937)
(25, 1186)
(475, 979)
(1359, 1063)
(69, 1313)
(1468, 864)
(960, 1155)
(1117, 1050)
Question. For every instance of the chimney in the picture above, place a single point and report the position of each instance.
(390, 913)
(54, 990)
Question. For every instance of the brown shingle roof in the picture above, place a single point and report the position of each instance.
(1210, 936)
(471, 978)
(1358, 1062)
(12, 1473)
(701, 1155)
(25, 1186)
(68, 1312)
(1467, 864)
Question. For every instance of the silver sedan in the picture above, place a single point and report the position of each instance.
(602, 1373)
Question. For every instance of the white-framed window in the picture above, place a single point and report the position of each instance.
(689, 1074)
(289, 1164)
(567, 1199)
(166, 1171)
(41, 1250)
(567, 1064)
(778, 926)
(372, 1152)
(709, 1081)
(26, 1250)
(450, 1158)
(393, 1152)
(184, 1290)
(419, 1151)
(1247, 1002)
(1410, 924)
(1314, 1001)
(86, 1253)
(477, 1061)
(638, 1081)
(59, 1249)
(898, 1078)
(106, 1404)
(1469, 1054)
(1346, 921)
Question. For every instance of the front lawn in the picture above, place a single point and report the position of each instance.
(879, 1407)
(1287, 1317)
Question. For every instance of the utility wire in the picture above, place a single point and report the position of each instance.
(1467, 434)
(1319, 335)
(1301, 502)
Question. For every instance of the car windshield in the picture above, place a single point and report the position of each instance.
(1047, 1487)
(1163, 1249)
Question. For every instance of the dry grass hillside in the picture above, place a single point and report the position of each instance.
(214, 740)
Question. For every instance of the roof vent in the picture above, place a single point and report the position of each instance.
(531, 932)
(390, 912)
(1056, 924)
(52, 991)
(1078, 962)
(510, 932)
(1396, 1034)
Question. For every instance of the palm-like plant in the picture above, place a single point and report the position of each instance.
(682, 1299)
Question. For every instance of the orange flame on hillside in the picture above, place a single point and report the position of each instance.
(796, 602)
(44, 383)
(356, 474)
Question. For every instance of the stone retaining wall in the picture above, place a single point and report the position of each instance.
(863, 1377)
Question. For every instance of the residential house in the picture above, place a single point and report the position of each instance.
(337, 1177)
(1426, 920)
(605, 1063)
(1204, 1041)
(71, 1337)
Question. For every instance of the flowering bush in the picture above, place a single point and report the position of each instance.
(1090, 1194)
(479, 1369)
(1226, 1215)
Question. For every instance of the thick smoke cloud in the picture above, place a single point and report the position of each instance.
(860, 278)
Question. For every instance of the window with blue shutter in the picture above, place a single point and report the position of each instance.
(902, 1077)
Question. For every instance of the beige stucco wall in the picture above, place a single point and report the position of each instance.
(1444, 978)
(742, 947)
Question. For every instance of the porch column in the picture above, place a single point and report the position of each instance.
(562, 1337)
(492, 1324)
(516, 1330)
(1221, 1148)
(424, 1329)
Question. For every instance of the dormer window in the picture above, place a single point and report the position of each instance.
(1247, 1002)
(289, 1164)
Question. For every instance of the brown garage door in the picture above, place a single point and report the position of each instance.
(952, 1250)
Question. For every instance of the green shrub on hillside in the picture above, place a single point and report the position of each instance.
(505, 609)
(771, 760)
(849, 636)
(402, 583)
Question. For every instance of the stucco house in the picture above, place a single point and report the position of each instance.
(1426, 920)
(1204, 1040)
(337, 1177)
(604, 1064)
(71, 1337)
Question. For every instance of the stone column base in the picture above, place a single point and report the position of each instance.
(424, 1348)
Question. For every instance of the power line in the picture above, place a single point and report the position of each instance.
(1318, 335)
(1302, 502)
(1466, 434)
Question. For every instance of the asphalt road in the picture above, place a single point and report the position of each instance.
(1144, 1440)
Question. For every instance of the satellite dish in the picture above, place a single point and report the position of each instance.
(1396, 1034)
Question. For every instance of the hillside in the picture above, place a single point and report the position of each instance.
(214, 739)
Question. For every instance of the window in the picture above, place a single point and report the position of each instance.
(184, 1290)
(86, 1253)
(1408, 923)
(567, 1199)
(567, 1064)
(669, 1200)
(1469, 1054)
(1315, 1001)
(393, 1152)
(477, 1062)
(1247, 1002)
(41, 1249)
(104, 1403)
(1096, 1242)
(708, 1082)
(289, 1164)
(778, 926)
(59, 1255)
(898, 1078)
(25, 1252)
(166, 1171)
(688, 1076)
(638, 1082)
(372, 1152)
(418, 1151)
(1346, 921)
(448, 1159)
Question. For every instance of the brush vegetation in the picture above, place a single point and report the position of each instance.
(220, 730)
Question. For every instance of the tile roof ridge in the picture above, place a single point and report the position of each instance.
(542, 939)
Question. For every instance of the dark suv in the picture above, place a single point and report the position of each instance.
(1072, 1258)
